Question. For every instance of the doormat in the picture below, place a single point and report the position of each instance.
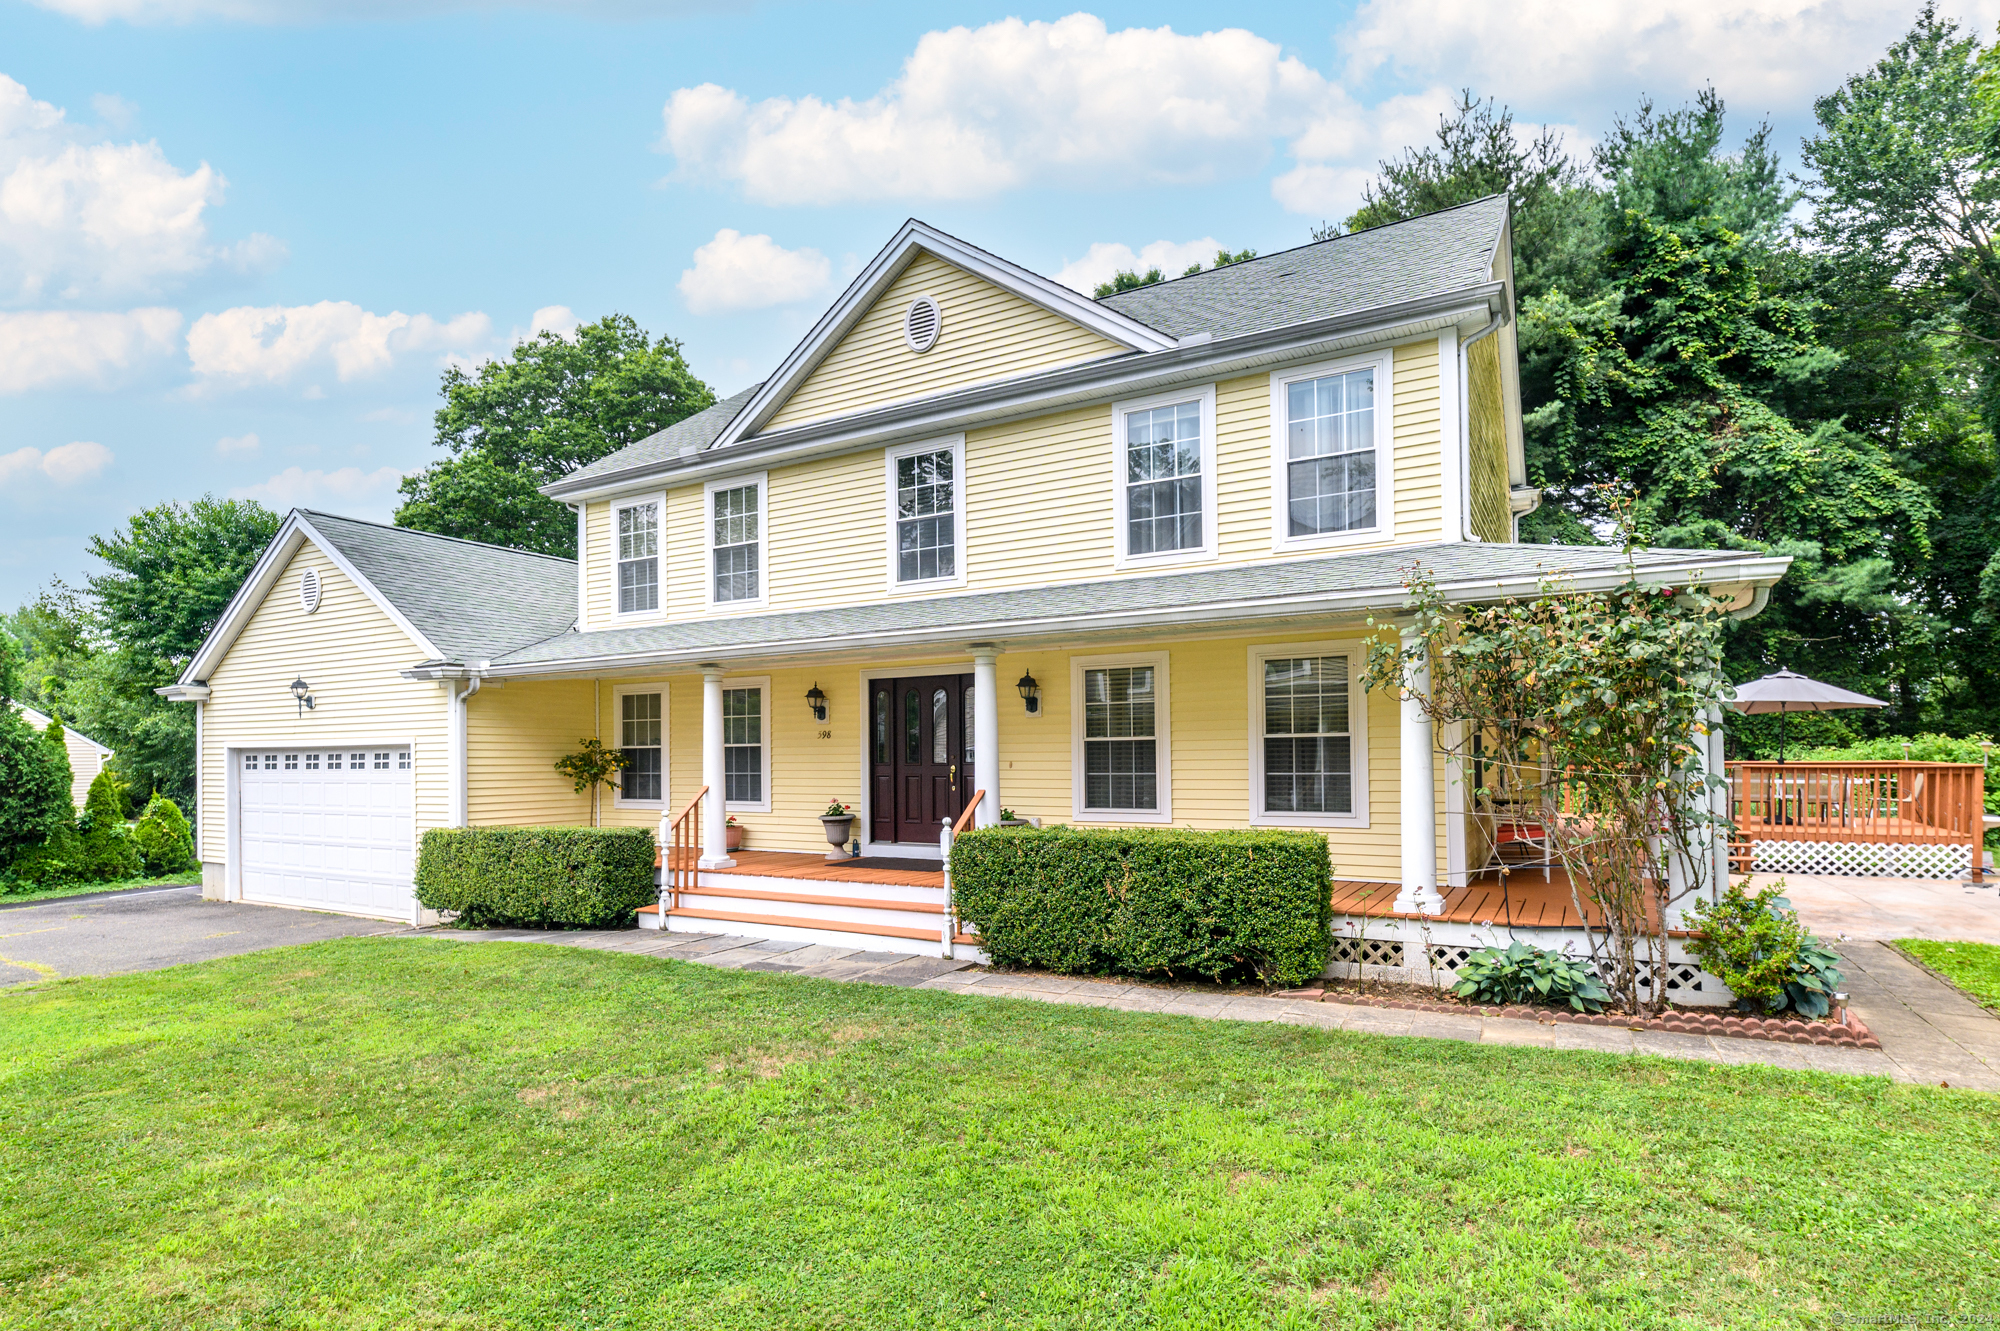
(890, 862)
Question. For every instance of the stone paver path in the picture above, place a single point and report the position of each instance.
(1925, 1036)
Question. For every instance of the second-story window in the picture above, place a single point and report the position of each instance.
(1163, 480)
(1330, 471)
(736, 545)
(638, 558)
(926, 516)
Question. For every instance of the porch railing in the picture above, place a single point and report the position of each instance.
(680, 855)
(946, 836)
(1899, 803)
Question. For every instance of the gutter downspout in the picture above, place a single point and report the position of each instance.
(459, 750)
(1465, 425)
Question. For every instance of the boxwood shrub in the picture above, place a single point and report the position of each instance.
(1165, 902)
(537, 877)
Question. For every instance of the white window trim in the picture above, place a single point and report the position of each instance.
(1204, 394)
(890, 457)
(618, 692)
(1163, 730)
(1356, 652)
(618, 506)
(761, 481)
(1383, 363)
(763, 740)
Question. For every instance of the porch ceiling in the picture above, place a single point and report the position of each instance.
(1248, 595)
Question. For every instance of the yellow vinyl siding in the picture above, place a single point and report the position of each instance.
(988, 334)
(1419, 452)
(1487, 419)
(600, 604)
(350, 652)
(1209, 703)
(1039, 499)
(513, 735)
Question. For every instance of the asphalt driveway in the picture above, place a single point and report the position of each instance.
(143, 931)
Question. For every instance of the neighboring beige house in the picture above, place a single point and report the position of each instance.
(86, 756)
(1110, 562)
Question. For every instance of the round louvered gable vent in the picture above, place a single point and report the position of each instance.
(922, 323)
(309, 590)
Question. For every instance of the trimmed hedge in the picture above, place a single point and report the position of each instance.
(1142, 902)
(537, 877)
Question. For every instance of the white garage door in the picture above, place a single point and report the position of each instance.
(326, 829)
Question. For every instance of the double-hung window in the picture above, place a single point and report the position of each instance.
(1330, 474)
(1306, 726)
(638, 557)
(1122, 765)
(641, 738)
(736, 541)
(926, 513)
(1166, 477)
(745, 769)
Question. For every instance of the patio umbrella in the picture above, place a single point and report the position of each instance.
(1784, 692)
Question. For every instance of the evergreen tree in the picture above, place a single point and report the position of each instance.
(57, 857)
(164, 837)
(33, 790)
(108, 852)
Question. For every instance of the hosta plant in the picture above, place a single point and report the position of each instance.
(1524, 974)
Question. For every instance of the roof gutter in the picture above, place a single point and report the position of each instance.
(1197, 357)
(1754, 571)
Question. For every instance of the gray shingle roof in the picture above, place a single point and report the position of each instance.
(696, 432)
(473, 601)
(1428, 255)
(1367, 572)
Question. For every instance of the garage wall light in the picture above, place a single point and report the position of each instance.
(303, 692)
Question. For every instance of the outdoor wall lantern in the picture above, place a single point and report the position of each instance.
(1031, 693)
(817, 701)
(303, 692)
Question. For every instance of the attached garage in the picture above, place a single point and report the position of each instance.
(328, 829)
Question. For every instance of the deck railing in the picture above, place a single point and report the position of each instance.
(680, 855)
(946, 836)
(1899, 803)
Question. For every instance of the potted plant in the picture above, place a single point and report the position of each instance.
(732, 833)
(1007, 819)
(838, 820)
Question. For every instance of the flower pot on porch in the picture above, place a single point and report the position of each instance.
(838, 830)
(732, 837)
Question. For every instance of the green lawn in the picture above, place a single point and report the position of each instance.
(28, 892)
(416, 1133)
(1973, 967)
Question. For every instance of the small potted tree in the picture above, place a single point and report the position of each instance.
(838, 820)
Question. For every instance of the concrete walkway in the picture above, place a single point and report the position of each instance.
(1925, 1035)
(1839, 905)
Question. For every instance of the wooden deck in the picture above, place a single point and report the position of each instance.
(1527, 901)
(814, 868)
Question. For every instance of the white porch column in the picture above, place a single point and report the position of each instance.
(986, 737)
(714, 835)
(1419, 797)
(1719, 802)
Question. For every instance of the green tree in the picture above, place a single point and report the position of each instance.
(1126, 280)
(108, 852)
(164, 837)
(553, 405)
(170, 572)
(56, 856)
(52, 635)
(33, 790)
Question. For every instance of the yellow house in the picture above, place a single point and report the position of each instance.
(86, 756)
(978, 545)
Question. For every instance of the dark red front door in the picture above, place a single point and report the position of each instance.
(922, 773)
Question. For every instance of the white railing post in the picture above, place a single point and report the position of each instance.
(945, 930)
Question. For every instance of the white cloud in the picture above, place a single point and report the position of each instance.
(738, 272)
(359, 493)
(981, 110)
(1104, 260)
(272, 344)
(557, 319)
(65, 464)
(1764, 55)
(95, 220)
(46, 348)
(238, 443)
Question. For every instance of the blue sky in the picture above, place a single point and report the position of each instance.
(240, 239)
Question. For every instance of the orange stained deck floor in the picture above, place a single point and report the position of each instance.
(814, 868)
(1526, 900)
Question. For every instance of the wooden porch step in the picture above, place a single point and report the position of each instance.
(800, 922)
(809, 899)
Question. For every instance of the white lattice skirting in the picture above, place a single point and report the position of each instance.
(1431, 953)
(1863, 858)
